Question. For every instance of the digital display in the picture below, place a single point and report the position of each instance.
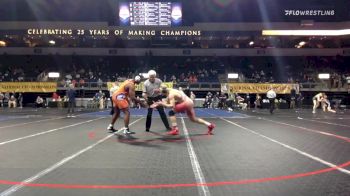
(150, 13)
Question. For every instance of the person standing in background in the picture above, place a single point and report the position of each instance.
(257, 101)
(300, 99)
(247, 99)
(151, 93)
(102, 100)
(193, 98)
(20, 100)
(271, 95)
(71, 93)
(2, 96)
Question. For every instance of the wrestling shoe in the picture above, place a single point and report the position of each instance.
(111, 129)
(210, 129)
(174, 131)
(127, 131)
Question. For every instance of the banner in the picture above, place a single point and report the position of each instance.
(257, 88)
(28, 87)
(139, 87)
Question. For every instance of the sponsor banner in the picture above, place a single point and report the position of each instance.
(309, 12)
(28, 87)
(257, 88)
(114, 32)
(140, 86)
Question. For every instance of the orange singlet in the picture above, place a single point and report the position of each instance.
(120, 97)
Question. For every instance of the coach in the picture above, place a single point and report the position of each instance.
(151, 93)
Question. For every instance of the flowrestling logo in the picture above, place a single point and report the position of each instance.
(309, 12)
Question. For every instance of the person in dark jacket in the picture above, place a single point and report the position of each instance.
(71, 93)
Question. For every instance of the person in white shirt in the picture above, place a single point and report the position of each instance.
(12, 103)
(39, 102)
(241, 102)
(151, 93)
(271, 95)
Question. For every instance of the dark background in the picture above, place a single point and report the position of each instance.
(193, 10)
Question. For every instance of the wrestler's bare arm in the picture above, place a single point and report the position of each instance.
(170, 101)
(131, 88)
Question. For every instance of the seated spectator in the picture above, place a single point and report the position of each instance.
(241, 102)
(215, 100)
(65, 98)
(12, 102)
(39, 102)
(54, 96)
(222, 100)
(207, 102)
(81, 82)
(60, 102)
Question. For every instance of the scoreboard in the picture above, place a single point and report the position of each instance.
(150, 13)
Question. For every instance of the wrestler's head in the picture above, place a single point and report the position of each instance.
(137, 79)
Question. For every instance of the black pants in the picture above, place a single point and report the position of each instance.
(71, 105)
(272, 105)
(160, 110)
(39, 105)
(112, 111)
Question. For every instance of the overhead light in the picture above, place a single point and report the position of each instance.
(54, 75)
(302, 43)
(144, 75)
(324, 76)
(307, 32)
(2, 43)
(232, 76)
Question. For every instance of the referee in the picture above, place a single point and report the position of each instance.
(151, 93)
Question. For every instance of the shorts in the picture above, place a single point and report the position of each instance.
(120, 101)
(186, 106)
